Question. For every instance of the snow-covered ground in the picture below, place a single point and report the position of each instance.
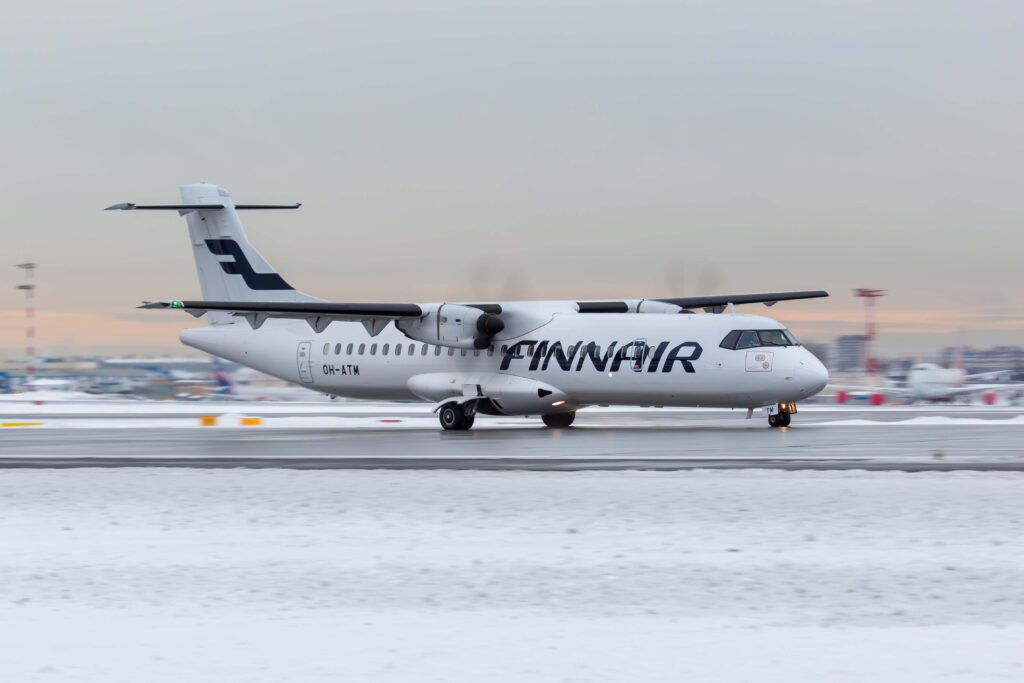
(267, 575)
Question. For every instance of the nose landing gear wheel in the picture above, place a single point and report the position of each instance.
(559, 419)
(453, 418)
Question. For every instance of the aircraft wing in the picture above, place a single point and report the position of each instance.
(860, 388)
(717, 302)
(375, 316)
(318, 315)
(996, 374)
(975, 388)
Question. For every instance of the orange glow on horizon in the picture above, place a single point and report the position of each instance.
(66, 332)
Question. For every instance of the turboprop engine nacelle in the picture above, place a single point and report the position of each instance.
(461, 327)
(652, 306)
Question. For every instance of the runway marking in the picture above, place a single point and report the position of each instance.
(21, 424)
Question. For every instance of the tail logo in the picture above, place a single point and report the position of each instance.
(239, 265)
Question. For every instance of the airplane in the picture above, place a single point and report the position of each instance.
(528, 358)
(227, 388)
(928, 382)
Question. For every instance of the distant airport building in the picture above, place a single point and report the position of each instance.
(850, 351)
(1008, 359)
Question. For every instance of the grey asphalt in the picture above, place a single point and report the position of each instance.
(605, 441)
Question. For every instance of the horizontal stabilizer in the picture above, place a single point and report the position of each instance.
(128, 206)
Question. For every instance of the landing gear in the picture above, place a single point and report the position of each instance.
(457, 418)
(559, 419)
(781, 415)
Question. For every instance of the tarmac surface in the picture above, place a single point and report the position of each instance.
(821, 438)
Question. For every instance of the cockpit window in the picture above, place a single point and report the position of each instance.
(749, 339)
(773, 338)
(730, 340)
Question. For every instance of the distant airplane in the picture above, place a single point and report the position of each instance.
(931, 382)
(227, 388)
(545, 358)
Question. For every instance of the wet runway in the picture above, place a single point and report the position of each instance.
(822, 439)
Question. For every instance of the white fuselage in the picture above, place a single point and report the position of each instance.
(669, 360)
(931, 382)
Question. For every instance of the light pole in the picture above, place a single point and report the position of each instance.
(29, 288)
(870, 331)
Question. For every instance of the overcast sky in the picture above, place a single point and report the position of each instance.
(448, 150)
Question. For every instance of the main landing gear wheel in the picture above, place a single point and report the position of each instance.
(780, 420)
(454, 418)
(559, 419)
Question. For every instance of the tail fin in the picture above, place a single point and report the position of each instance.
(229, 267)
(225, 385)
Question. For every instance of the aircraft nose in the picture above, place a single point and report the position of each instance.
(811, 375)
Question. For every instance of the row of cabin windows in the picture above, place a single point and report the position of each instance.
(399, 350)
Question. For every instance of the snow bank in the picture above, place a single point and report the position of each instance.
(200, 575)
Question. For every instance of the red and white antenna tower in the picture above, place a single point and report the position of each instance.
(870, 331)
(29, 288)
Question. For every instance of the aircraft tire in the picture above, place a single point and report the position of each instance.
(453, 418)
(559, 419)
(786, 419)
(773, 421)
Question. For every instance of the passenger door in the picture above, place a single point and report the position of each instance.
(302, 357)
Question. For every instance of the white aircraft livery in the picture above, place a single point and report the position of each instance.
(542, 358)
(928, 382)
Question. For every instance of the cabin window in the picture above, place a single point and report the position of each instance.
(398, 349)
(337, 349)
(412, 349)
(490, 351)
(451, 352)
(476, 352)
(327, 348)
(424, 352)
(504, 349)
(362, 349)
(348, 350)
(437, 350)
(462, 352)
(384, 351)
(529, 350)
(373, 349)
